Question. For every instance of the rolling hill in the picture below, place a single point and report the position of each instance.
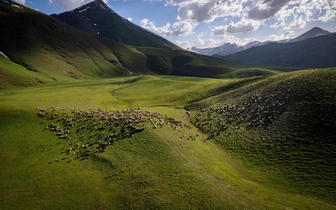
(283, 126)
(97, 18)
(316, 52)
(234, 149)
(156, 141)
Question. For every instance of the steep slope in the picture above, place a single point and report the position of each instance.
(53, 49)
(12, 74)
(317, 52)
(97, 18)
(282, 126)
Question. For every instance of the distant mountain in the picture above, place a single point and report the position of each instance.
(231, 48)
(254, 44)
(225, 49)
(98, 18)
(316, 52)
(314, 32)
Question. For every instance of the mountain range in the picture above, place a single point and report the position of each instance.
(231, 48)
(42, 49)
(225, 49)
(312, 52)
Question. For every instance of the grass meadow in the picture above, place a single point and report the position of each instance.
(162, 168)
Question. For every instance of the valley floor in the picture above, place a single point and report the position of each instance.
(160, 168)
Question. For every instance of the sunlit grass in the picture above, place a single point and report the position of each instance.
(157, 168)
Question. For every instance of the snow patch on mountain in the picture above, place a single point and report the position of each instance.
(103, 7)
(226, 49)
(17, 6)
(4, 1)
(83, 10)
(3, 54)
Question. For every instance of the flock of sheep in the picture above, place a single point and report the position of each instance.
(257, 110)
(91, 131)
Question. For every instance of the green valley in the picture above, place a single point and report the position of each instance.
(116, 117)
(168, 166)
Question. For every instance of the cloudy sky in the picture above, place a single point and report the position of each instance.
(210, 23)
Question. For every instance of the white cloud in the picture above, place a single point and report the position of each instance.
(250, 14)
(180, 28)
(296, 24)
(235, 28)
(264, 9)
(70, 4)
(183, 44)
(309, 10)
(183, 28)
(23, 2)
(330, 14)
(129, 19)
(207, 10)
(286, 35)
(162, 31)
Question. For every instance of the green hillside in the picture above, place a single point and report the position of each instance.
(282, 126)
(184, 63)
(54, 50)
(265, 157)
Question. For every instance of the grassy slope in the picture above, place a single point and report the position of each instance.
(283, 126)
(12, 74)
(153, 169)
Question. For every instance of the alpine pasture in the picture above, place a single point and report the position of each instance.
(155, 142)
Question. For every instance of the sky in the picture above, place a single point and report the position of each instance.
(211, 23)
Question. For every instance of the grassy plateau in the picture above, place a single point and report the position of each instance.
(168, 142)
